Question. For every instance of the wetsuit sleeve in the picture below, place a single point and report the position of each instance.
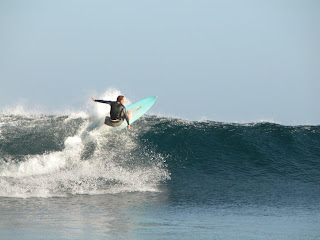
(103, 101)
(125, 115)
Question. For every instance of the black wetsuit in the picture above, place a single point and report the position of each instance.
(117, 113)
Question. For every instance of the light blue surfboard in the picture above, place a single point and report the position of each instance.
(137, 109)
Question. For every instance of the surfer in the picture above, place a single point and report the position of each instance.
(118, 112)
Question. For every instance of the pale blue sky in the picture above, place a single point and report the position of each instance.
(228, 60)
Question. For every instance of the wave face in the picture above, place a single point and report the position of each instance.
(258, 163)
(198, 162)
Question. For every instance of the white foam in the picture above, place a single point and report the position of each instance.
(76, 115)
(106, 170)
(46, 163)
(20, 109)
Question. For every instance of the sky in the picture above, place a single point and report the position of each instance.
(220, 60)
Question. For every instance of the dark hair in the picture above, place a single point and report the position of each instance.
(119, 98)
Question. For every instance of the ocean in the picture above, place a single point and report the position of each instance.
(68, 176)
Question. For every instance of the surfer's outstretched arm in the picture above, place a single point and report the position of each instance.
(101, 101)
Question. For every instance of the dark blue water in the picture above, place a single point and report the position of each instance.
(263, 163)
(70, 177)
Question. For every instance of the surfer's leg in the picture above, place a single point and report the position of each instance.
(115, 123)
(107, 121)
(112, 123)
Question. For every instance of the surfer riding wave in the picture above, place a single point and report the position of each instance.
(118, 112)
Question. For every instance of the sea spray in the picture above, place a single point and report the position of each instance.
(95, 162)
(61, 155)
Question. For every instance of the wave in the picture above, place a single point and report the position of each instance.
(75, 153)
(44, 156)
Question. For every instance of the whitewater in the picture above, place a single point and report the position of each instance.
(68, 176)
(58, 155)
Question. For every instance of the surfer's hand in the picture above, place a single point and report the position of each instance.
(93, 99)
(128, 127)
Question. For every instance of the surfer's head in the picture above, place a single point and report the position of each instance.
(120, 99)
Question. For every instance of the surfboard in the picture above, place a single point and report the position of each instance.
(137, 110)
